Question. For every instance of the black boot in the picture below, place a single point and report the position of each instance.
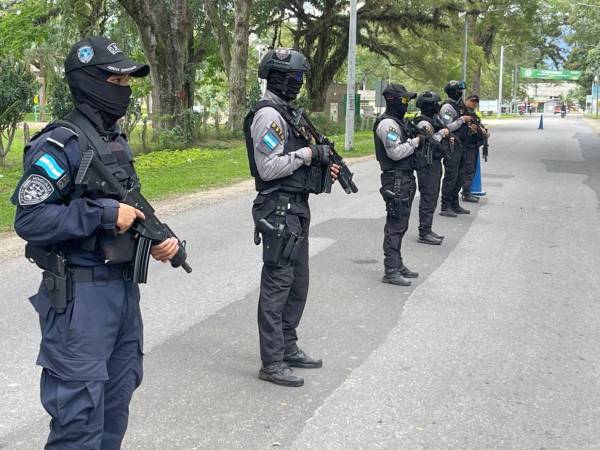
(407, 273)
(301, 359)
(429, 238)
(447, 213)
(394, 277)
(460, 210)
(437, 236)
(279, 373)
(470, 198)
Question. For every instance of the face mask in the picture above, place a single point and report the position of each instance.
(455, 95)
(89, 86)
(397, 107)
(286, 85)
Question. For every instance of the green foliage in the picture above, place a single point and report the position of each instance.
(17, 89)
(60, 101)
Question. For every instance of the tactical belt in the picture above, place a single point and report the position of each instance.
(291, 196)
(399, 172)
(100, 273)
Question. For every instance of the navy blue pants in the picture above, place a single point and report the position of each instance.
(92, 362)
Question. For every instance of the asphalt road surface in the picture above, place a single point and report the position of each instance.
(495, 347)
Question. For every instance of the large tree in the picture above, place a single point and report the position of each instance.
(233, 49)
(166, 30)
(319, 29)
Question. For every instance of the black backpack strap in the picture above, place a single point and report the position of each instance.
(89, 137)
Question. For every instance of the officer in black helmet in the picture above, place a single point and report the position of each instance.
(287, 168)
(88, 305)
(429, 177)
(394, 151)
(454, 116)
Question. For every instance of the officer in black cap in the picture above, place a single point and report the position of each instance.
(429, 177)
(454, 115)
(286, 168)
(475, 139)
(394, 151)
(89, 309)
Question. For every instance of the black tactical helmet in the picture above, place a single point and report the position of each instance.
(454, 87)
(282, 60)
(397, 91)
(428, 97)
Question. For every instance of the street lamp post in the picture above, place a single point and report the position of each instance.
(350, 87)
(499, 109)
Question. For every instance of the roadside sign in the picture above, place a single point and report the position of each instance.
(542, 74)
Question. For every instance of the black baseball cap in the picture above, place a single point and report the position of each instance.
(105, 54)
(398, 91)
(473, 97)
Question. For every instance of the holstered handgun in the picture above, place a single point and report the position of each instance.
(55, 275)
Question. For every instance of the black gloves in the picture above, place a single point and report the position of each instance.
(320, 153)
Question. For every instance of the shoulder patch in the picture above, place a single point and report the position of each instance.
(271, 139)
(392, 135)
(34, 190)
(277, 130)
(50, 166)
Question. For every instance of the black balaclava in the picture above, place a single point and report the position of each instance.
(430, 109)
(94, 95)
(395, 107)
(284, 84)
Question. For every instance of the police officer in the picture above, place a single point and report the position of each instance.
(475, 139)
(287, 168)
(429, 177)
(91, 326)
(454, 116)
(394, 151)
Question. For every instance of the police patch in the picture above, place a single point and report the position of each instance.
(447, 116)
(392, 136)
(277, 130)
(34, 190)
(113, 49)
(50, 166)
(282, 53)
(85, 54)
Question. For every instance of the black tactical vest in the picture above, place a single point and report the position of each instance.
(461, 110)
(116, 155)
(385, 162)
(437, 125)
(297, 181)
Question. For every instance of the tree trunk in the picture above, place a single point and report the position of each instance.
(476, 87)
(165, 28)
(239, 64)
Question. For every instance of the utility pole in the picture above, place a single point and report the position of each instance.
(499, 110)
(351, 80)
(465, 48)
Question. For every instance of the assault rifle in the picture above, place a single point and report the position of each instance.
(481, 131)
(303, 125)
(427, 143)
(94, 176)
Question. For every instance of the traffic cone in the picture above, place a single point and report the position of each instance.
(541, 126)
(476, 185)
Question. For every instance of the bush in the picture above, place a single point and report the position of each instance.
(60, 101)
(17, 89)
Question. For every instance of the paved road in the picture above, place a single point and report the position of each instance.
(495, 347)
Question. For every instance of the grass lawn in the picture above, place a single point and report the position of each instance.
(165, 174)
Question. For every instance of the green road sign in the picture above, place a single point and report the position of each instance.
(542, 74)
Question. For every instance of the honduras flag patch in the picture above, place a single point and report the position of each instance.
(50, 166)
(271, 140)
(392, 136)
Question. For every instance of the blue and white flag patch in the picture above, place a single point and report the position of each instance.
(271, 140)
(392, 136)
(50, 166)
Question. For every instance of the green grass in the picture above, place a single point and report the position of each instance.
(166, 174)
